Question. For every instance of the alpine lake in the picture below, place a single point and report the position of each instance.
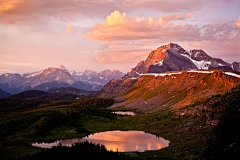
(120, 141)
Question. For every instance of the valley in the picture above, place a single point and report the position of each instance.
(47, 122)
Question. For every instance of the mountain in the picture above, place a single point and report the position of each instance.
(42, 80)
(105, 76)
(173, 57)
(154, 91)
(83, 76)
(4, 94)
(92, 77)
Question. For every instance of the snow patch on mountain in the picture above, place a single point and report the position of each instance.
(33, 74)
(160, 74)
(158, 63)
(232, 74)
(201, 71)
(199, 64)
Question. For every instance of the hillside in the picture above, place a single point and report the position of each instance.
(29, 94)
(72, 90)
(55, 94)
(152, 92)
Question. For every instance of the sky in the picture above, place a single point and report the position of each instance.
(112, 34)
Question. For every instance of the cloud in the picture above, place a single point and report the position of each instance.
(120, 27)
(12, 20)
(238, 23)
(16, 10)
(8, 6)
(176, 17)
(15, 7)
(122, 53)
(69, 28)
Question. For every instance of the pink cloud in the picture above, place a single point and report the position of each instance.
(13, 19)
(238, 23)
(177, 17)
(16, 10)
(122, 53)
(120, 27)
(69, 28)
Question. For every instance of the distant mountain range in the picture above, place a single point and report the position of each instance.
(56, 77)
(92, 77)
(173, 57)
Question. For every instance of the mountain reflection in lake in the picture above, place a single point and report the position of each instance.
(122, 141)
(125, 113)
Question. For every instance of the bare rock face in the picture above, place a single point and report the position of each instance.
(173, 57)
(174, 62)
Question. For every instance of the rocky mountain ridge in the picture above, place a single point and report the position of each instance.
(173, 57)
(154, 91)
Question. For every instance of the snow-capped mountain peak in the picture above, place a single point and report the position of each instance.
(173, 57)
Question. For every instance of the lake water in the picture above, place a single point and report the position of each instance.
(122, 141)
(125, 113)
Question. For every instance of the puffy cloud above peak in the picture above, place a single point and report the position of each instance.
(121, 27)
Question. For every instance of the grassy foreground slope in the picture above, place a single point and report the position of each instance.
(188, 129)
